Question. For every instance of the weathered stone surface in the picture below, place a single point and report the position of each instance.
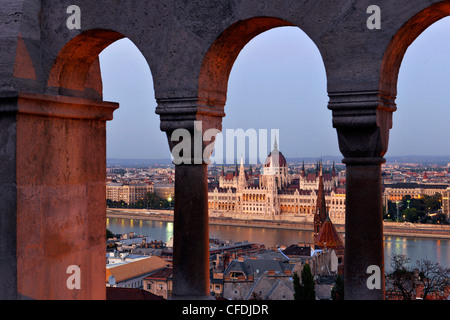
(53, 208)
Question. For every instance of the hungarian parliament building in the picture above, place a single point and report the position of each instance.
(275, 194)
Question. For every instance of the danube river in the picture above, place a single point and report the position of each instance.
(413, 248)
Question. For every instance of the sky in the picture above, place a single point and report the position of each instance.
(279, 82)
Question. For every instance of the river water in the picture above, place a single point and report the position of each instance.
(414, 248)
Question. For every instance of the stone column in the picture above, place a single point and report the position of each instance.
(191, 232)
(363, 120)
(52, 178)
(363, 228)
(190, 126)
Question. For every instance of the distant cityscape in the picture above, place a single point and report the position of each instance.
(407, 185)
(423, 160)
(252, 271)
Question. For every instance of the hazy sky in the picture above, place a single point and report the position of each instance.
(278, 82)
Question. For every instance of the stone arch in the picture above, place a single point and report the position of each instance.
(404, 37)
(76, 70)
(218, 61)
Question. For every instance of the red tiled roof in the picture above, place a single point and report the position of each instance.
(328, 237)
(162, 274)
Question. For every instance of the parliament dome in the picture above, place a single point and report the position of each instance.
(272, 157)
(278, 159)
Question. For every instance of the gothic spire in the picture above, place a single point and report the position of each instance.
(321, 206)
(320, 169)
(303, 169)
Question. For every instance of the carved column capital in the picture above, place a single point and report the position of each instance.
(362, 120)
(191, 125)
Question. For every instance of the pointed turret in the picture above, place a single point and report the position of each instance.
(328, 238)
(321, 206)
(275, 154)
(303, 169)
(242, 179)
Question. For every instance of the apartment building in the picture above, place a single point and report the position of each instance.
(128, 193)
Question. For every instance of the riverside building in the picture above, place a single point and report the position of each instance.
(277, 194)
(128, 193)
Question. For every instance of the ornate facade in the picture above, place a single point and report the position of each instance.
(275, 194)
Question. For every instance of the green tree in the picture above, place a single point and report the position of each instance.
(109, 234)
(416, 210)
(432, 203)
(337, 293)
(306, 289)
(392, 211)
(440, 218)
(411, 215)
(309, 292)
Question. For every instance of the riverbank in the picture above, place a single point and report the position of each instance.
(390, 228)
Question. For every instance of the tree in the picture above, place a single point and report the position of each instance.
(426, 278)
(401, 279)
(411, 215)
(432, 277)
(109, 234)
(440, 218)
(392, 211)
(308, 286)
(337, 293)
(304, 290)
(432, 203)
(417, 210)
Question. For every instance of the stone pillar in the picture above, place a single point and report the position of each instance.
(188, 125)
(53, 196)
(363, 120)
(363, 228)
(191, 232)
